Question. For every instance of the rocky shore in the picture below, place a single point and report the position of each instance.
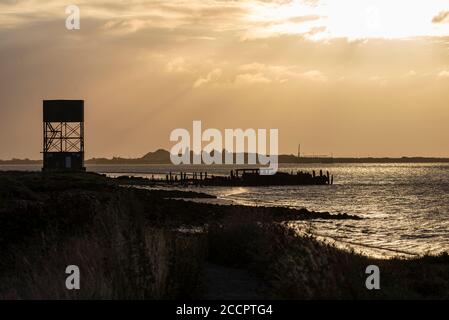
(133, 243)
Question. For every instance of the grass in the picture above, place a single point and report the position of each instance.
(128, 245)
(301, 267)
(51, 221)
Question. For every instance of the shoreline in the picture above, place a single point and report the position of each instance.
(283, 159)
(87, 219)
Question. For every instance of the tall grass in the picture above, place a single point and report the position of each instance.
(301, 267)
(127, 245)
(47, 224)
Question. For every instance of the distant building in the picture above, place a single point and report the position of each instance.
(63, 123)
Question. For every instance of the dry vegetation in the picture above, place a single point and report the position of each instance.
(128, 245)
(301, 267)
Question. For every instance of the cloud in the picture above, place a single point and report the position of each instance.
(444, 74)
(129, 15)
(442, 17)
(301, 19)
(282, 73)
(314, 75)
(212, 76)
(250, 78)
(252, 73)
(244, 19)
(177, 65)
(123, 27)
(380, 80)
(8, 2)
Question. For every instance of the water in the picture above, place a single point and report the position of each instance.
(405, 206)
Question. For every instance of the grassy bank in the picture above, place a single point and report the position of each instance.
(48, 222)
(140, 244)
(301, 267)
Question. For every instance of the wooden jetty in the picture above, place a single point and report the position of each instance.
(238, 177)
(252, 177)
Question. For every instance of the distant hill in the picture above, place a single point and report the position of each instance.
(158, 156)
(162, 156)
(19, 161)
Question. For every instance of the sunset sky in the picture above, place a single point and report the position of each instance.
(341, 77)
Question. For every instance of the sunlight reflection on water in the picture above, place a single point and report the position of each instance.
(405, 206)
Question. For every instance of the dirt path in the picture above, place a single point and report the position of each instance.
(224, 283)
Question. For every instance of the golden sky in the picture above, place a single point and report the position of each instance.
(341, 77)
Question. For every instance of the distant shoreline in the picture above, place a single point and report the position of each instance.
(162, 157)
(122, 161)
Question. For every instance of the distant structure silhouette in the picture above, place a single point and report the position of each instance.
(63, 148)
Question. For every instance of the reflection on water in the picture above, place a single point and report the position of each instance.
(405, 206)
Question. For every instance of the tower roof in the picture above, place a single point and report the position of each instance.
(63, 110)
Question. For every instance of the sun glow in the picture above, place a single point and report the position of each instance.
(352, 19)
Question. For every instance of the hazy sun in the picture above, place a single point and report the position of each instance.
(352, 19)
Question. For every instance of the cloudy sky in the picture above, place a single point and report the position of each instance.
(341, 77)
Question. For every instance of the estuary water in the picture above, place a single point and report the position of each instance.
(405, 206)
